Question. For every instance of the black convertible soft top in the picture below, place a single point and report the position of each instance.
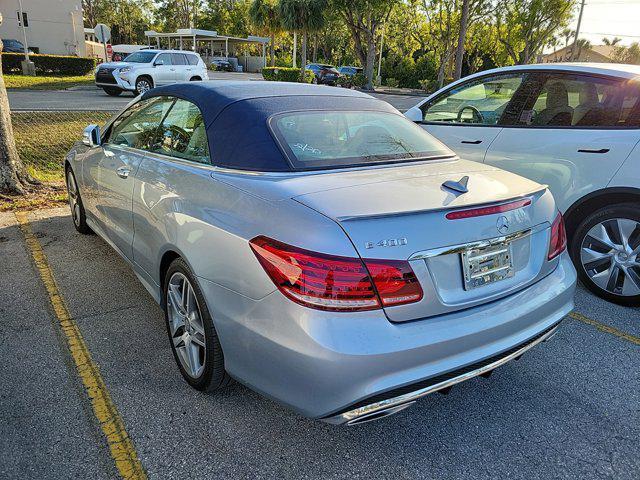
(236, 115)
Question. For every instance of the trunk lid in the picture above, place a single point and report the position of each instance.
(399, 213)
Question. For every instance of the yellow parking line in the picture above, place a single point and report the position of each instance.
(605, 328)
(120, 446)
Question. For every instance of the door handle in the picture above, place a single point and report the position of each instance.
(123, 172)
(590, 150)
(472, 142)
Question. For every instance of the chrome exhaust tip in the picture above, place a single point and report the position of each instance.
(378, 414)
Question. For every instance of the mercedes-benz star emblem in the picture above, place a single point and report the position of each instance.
(502, 225)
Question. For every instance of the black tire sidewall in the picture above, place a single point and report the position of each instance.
(624, 210)
(112, 91)
(81, 226)
(214, 375)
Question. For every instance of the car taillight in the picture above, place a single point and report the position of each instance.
(558, 241)
(329, 282)
(490, 210)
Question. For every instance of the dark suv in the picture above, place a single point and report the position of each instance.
(324, 74)
(10, 45)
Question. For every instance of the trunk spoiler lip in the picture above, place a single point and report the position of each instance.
(538, 190)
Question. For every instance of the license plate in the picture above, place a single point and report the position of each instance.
(485, 265)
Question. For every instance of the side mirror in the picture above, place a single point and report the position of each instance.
(91, 136)
(414, 114)
(158, 62)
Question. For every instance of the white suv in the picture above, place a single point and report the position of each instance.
(143, 70)
(574, 127)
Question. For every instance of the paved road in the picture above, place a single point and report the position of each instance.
(94, 99)
(568, 409)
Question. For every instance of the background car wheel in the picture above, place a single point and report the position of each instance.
(315, 81)
(75, 204)
(605, 249)
(193, 338)
(143, 84)
(195, 79)
(112, 91)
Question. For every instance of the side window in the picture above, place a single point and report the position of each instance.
(183, 134)
(192, 59)
(163, 59)
(178, 59)
(584, 101)
(480, 102)
(137, 127)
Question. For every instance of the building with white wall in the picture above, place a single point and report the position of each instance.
(52, 26)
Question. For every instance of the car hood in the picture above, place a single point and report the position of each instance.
(117, 64)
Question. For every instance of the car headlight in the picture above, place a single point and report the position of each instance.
(125, 69)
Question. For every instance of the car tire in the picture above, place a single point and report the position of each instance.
(605, 249)
(143, 84)
(192, 335)
(315, 80)
(112, 91)
(75, 204)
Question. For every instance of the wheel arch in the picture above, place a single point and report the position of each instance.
(167, 258)
(147, 76)
(598, 199)
(196, 78)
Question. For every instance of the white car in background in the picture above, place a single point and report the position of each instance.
(143, 70)
(574, 127)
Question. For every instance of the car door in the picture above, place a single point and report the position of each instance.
(164, 72)
(181, 67)
(467, 117)
(123, 150)
(170, 182)
(573, 134)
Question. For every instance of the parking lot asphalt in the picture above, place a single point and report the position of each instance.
(570, 408)
(95, 99)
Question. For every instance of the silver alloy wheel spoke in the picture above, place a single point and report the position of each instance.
(186, 328)
(609, 257)
(72, 191)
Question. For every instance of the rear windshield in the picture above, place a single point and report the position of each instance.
(345, 138)
(140, 57)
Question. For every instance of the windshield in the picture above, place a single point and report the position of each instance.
(140, 57)
(337, 139)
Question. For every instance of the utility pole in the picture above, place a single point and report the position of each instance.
(295, 46)
(574, 49)
(28, 67)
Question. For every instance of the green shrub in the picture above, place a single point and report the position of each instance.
(49, 64)
(409, 72)
(392, 82)
(286, 74)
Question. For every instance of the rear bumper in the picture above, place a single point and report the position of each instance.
(341, 366)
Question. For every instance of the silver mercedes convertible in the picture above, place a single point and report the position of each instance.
(315, 245)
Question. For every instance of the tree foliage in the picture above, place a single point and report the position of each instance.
(266, 17)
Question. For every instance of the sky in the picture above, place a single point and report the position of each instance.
(610, 18)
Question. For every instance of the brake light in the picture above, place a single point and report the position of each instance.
(558, 242)
(329, 282)
(481, 211)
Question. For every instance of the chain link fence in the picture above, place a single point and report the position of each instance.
(44, 137)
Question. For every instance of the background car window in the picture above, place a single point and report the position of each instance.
(137, 127)
(584, 101)
(140, 57)
(178, 59)
(333, 139)
(192, 59)
(163, 59)
(183, 134)
(479, 102)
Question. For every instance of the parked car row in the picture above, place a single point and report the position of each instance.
(328, 74)
(319, 247)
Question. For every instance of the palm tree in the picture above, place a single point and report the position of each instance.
(611, 42)
(304, 16)
(266, 16)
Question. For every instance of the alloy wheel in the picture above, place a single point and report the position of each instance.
(186, 325)
(143, 86)
(610, 256)
(74, 204)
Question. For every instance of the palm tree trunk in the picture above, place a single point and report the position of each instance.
(303, 63)
(13, 176)
(272, 50)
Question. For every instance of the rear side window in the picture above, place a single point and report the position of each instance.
(137, 126)
(322, 139)
(182, 134)
(178, 59)
(570, 100)
(192, 59)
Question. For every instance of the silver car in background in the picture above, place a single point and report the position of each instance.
(317, 246)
